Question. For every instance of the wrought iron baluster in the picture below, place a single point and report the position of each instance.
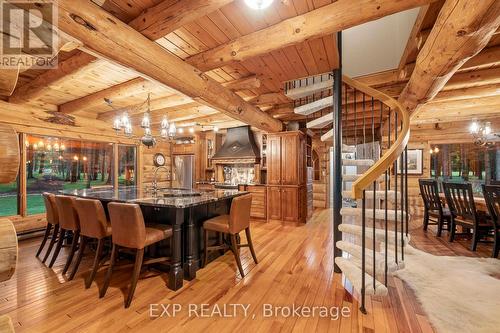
(373, 128)
(373, 229)
(386, 230)
(395, 167)
(363, 252)
(402, 203)
(355, 121)
(406, 189)
(364, 126)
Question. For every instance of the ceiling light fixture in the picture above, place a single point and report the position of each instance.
(123, 122)
(258, 4)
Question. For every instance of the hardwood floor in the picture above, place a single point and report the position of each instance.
(295, 268)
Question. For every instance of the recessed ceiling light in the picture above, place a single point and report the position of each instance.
(258, 4)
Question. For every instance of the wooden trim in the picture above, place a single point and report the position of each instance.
(391, 155)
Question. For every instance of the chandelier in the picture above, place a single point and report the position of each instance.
(483, 133)
(123, 123)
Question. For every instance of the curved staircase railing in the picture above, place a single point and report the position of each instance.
(394, 121)
(375, 134)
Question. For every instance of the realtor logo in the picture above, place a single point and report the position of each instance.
(29, 37)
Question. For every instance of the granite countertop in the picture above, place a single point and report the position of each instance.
(164, 197)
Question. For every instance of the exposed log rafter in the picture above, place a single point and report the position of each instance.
(462, 29)
(91, 24)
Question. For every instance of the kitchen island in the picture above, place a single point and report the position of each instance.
(184, 210)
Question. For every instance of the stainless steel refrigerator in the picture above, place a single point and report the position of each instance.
(183, 171)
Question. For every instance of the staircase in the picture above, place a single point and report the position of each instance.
(374, 187)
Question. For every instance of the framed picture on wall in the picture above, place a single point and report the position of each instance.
(415, 162)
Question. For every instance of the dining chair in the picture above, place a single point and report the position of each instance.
(69, 222)
(434, 212)
(93, 226)
(232, 224)
(460, 199)
(492, 198)
(52, 228)
(131, 232)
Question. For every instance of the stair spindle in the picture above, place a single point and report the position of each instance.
(406, 188)
(395, 167)
(386, 230)
(373, 229)
(363, 252)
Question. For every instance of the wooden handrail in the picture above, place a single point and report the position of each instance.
(387, 160)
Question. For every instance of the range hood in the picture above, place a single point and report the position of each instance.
(239, 147)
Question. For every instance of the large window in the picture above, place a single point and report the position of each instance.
(127, 165)
(466, 162)
(54, 164)
(8, 199)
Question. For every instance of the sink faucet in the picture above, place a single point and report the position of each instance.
(155, 174)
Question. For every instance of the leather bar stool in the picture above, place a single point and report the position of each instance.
(131, 232)
(232, 224)
(93, 225)
(52, 222)
(68, 221)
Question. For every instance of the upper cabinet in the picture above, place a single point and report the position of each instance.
(286, 158)
(273, 159)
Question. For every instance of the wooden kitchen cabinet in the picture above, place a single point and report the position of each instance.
(274, 202)
(258, 210)
(286, 175)
(273, 159)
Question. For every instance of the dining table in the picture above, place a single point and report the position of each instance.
(184, 209)
(479, 202)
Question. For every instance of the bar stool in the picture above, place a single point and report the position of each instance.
(232, 224)
(68, 221)
(52, 221)
(130, 231)
(93, 225)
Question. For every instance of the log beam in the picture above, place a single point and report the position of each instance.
(91, 24)
(160, 20)
(462, 29)
(37, 88)
(118, 91)
(326, 20)
(246, 83)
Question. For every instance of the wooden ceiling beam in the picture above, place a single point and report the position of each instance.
(412, 43)
(326, 20)
(462, 29)
(268, 99)
(478, 78)
(134, 86)
(118, 91)
(451, 115)
(37, 88)
(175, 100)
(167, 16)
(91, 24)
(467, 93)
(246, 83)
